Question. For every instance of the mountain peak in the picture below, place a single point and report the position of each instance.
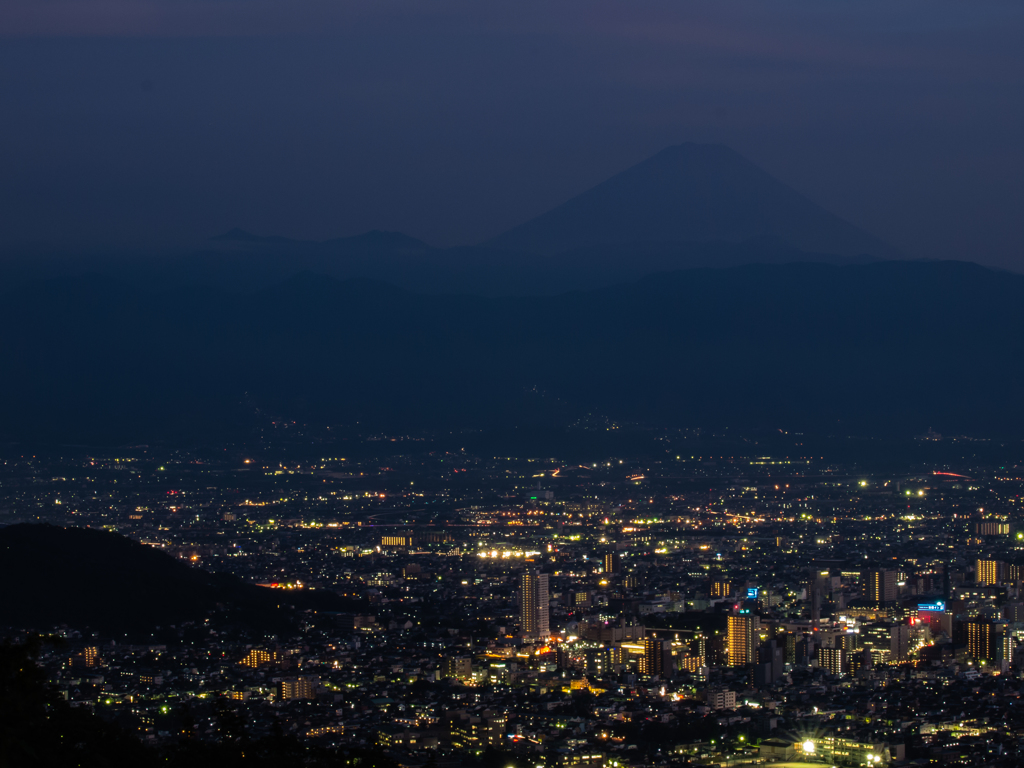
(690, 193)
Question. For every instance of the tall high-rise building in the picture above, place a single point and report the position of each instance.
(980, 637)
(987, 571)
(771, 660)
(657, 658)
(899, 642)
(742, 639)
(879, 587)
(533, 604)
(612, 562)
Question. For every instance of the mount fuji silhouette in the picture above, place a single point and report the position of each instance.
(691, 193)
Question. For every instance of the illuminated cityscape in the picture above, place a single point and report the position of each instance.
(460, 384)
(626, 611)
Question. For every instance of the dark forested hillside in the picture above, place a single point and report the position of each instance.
(889, 348)
(105, 582)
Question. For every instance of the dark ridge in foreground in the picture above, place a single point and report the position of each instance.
(108, 583)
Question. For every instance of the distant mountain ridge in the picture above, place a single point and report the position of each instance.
(687, 207)
(878, 348)
(690, 193)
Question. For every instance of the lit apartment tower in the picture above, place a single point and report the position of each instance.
(1014, 573)
(986, 572)
(657, 658)
(89, 657)
(848, 641)
(533, 604)
(258, 657)
(981, 639)
(597, 662)
(833, 660)
(742, 640)
(612, 562)
(297, 688)
(879, 586)
(457, 668)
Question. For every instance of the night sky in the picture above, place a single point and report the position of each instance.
(155, 124)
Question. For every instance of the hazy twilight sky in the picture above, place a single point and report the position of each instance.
(159, 123)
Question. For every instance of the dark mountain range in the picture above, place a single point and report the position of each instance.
(251, 263)
(881, 348)
(97, 579)
(688, 206)
(690, 193)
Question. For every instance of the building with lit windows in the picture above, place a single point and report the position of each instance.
(657, 658)
(980, 636)
(303, 687)
(720, 698)
(840, 751)
(89, 658)
(992, 528)
(534, 604)
(879, 587)
(258, 657)
(742, 639)
(721, 589)
(457, 668)
(987, 572)
(476, 733)
(833, 660)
